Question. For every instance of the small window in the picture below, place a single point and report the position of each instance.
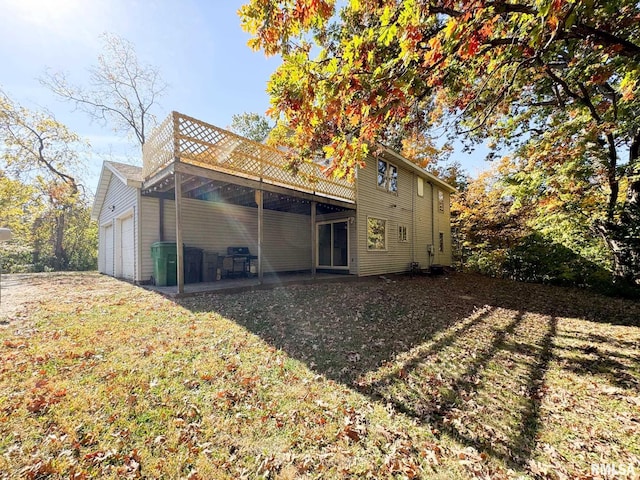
(441, 200)
(376, 234)
(387, 176)
(441, 243)
(402, 233)
(420, 187)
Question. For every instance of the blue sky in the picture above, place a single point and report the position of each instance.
(198, 46)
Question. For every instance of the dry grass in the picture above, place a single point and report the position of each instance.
(452, 377)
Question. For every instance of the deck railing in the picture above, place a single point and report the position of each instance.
(185, 139)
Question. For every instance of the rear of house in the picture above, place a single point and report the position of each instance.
(403, 217)
(395, 216)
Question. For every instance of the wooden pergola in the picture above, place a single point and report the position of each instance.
(186, 155)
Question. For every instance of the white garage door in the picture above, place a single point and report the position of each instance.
(127, 249)
(108, 249)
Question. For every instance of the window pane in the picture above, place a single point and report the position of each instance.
(441, 246)
(382, 174)
(393, 178)
(340, 244)
(324, 245)
(402, 233)
(376, 234)
(441, 200)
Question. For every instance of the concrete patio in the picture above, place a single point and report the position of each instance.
(243, 284)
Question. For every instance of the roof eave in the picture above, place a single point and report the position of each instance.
(101, 191)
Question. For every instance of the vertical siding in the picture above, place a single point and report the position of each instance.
(395, 209)
(215, 226)
(123, 198)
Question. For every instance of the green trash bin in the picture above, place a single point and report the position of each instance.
(164, 263)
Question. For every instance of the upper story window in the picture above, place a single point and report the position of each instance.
(387, 176)
(441, 200)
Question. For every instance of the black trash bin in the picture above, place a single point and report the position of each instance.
(192, 265)
(210, 273)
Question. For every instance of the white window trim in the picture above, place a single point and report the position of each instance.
(117, 245)
(341, 220)
(102, 259)
(387, 181)
(406, 231)
(441, 235)
(386, 235)
(441, 205)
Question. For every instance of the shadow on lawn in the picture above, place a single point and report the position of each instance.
(465, 355)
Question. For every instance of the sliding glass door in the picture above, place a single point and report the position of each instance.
(333, 244)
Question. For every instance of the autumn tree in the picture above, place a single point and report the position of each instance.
(251, 125)
(38, 156)
(18, 208)
(122, 93)
(520, 222)
(546, 79)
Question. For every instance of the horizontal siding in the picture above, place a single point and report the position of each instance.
(149, 234)
(395, 209)
(423, 228)
(122, 198)
(423, 223)
(443, 224)
(287, 241)
(215, 226)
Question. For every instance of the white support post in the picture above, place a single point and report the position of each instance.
(259, 198)
(177, 178)
(313, 239)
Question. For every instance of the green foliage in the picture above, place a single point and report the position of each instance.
(251, 125)
(41, 200)
(509, 225)
(33, 221)
(554, 82)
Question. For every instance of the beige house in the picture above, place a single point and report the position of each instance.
(201, 186)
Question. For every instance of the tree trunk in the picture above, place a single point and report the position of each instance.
(623, 238)
(60, 257)
(37, 244)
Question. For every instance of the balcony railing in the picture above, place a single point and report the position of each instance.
(184, 139)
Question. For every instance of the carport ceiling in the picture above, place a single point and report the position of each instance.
(209, 190)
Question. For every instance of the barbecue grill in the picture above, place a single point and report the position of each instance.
(238, 261)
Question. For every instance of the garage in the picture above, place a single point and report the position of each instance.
(126, 246)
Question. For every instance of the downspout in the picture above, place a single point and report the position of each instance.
(138, 227)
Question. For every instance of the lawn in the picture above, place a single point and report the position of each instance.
(456, 376)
